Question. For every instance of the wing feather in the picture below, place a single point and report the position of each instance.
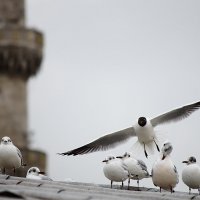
(20, 155)
(175, 115)
(103, 143)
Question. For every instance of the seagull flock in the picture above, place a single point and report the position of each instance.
(125, 167)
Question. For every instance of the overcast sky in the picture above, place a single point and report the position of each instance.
(105, 64)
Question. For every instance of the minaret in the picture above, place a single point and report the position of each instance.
(20, 58)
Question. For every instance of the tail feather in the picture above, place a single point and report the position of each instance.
(138, 148)
(150, 148)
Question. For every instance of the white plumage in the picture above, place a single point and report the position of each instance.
(115, 170)
(164, 173)
(191, 174)
(35, 173)
(137, 168)
(10, 155)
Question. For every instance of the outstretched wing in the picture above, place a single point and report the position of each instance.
(176, 115)
(103, 143)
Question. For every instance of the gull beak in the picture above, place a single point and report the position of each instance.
(185, 161)
(41, 173)
(104, 160)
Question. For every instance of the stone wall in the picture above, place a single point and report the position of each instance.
(13, 109)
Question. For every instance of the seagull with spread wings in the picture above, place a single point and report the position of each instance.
(143, 130)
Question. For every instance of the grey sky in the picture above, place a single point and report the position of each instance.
(105, 64)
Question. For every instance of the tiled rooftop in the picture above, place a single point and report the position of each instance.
(12, 188)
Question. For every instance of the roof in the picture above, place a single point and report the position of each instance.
(14, 188)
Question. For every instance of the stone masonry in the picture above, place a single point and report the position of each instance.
(20, 58)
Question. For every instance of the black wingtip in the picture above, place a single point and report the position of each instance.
(69, 153)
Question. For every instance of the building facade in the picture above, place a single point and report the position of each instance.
(21, 51)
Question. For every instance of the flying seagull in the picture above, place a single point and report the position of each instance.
(143, 130)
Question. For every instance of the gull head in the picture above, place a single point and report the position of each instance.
(109, 158)
(166, 149)
(126, 155)
(142, 121)
(6, 140)
(34, 171)
(190, 160)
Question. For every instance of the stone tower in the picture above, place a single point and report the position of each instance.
(20, 58)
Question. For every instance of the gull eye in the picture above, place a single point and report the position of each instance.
(34, 170)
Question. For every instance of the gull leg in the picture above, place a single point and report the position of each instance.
(157, 146)
(14, 171)
(198, 190)
(145, 151)
(129, 182)
(4, 170)
(171, 189)
(122, 185)
(190, 190)
(111, 184)
(160, 189)
(138, 184)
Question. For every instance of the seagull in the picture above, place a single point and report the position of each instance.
(143, 130)
(191, 174)
(164, 172)
(115, 170)
(10, 155)
(35, 173)
(137, 168)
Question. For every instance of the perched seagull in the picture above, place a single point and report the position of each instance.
(10, 155)
(191, 174)
(164, 173)
(143, 130)
(115, 170)
(137, 168)
(35, 173)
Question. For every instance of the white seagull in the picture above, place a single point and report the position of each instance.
(137, 168)
(191, 174)
(35, 173)
(115, 170)
(10, 155)
(164, 173)
(143, 130)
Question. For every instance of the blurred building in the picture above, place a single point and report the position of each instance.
(20, 58)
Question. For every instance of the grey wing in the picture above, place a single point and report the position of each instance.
(176, 114)
(103, 143)
(20, 155)
(142, 165)
(124, 166)
(176, 172)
